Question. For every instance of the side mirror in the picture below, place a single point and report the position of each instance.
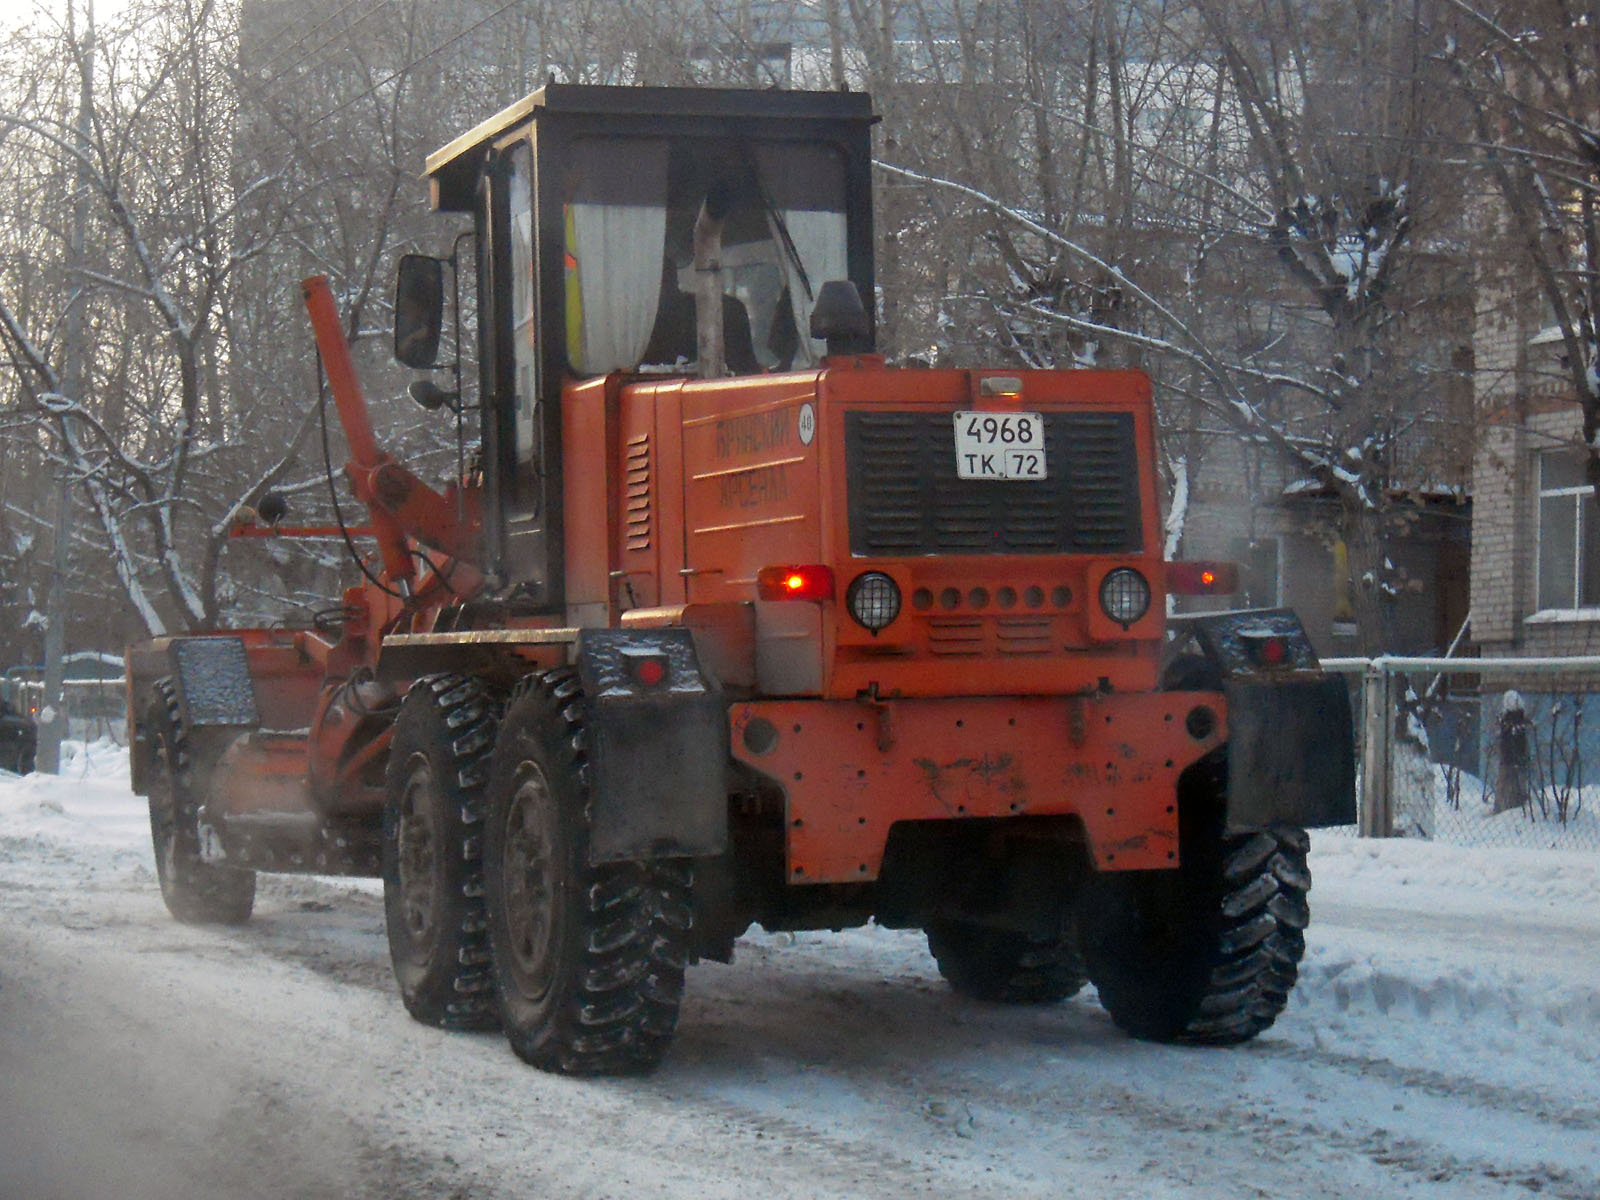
(418, 310)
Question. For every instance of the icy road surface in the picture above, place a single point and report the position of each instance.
(1443, 1043)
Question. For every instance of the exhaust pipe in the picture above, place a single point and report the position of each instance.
(710, 347)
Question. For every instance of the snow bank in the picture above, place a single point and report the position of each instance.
(89, 804)
(1436, 877)
(1430, 955)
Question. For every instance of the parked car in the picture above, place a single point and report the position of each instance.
(18, 737)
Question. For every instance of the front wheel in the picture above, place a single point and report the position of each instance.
(588, 960)
(195, 891)
(1206, 954)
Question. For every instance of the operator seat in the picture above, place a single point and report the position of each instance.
(674, 334)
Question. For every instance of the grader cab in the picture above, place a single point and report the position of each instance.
(728, 621)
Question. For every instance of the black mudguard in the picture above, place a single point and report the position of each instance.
(657, 755)
(1291, 746)
(1291, 751)
(215, 686)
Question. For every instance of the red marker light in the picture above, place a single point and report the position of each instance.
(1274, 652)
(649, 672)
(1202, 578)
(809, 582)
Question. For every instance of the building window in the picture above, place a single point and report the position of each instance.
(1569, 542)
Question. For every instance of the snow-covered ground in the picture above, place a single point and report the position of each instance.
(1443, 1042)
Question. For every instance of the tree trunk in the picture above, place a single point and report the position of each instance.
(1361, 528)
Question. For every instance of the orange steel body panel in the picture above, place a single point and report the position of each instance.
(649, 496)
(1113, 761)
(764, 483)
(286, 678)
(752, 490)
(306, 745)
(263, 775)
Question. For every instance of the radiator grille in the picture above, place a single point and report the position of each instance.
(905, 498)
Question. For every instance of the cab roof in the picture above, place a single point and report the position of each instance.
(453, 169)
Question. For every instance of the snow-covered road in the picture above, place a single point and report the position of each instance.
(1443, 1043)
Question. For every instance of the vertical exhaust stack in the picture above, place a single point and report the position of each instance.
(710, 347)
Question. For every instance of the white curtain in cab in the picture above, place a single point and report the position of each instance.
(618, 249)
(819, 237)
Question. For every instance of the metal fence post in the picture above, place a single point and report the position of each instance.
(1374, 815)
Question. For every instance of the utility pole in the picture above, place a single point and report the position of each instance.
(52, 706)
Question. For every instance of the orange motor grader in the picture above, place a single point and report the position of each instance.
(728, 621)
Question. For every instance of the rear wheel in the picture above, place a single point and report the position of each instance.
(1208, 953)
(1006, 967)
(588, 960)
(195, 891)
(432, 852)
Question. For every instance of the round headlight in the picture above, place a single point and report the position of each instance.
(873, 600)
(1124, 596)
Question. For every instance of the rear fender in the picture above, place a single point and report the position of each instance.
(214, 685)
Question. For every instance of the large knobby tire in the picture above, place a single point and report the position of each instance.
(588, 960)
(1206, 954)
(195, 891)
(1005, 967)
(432, 852)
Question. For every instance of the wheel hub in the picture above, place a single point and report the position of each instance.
(528, 869)
(416, 863)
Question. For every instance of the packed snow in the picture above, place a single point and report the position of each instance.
(1442, 1043)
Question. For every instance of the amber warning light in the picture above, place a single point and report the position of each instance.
(809, 582)
(1203, 578)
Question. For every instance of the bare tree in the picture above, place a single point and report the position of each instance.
(147, 437)
(1527, 72)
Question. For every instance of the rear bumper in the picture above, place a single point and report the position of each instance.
(851, 769)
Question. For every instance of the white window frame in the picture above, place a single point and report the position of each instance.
(1579, 494)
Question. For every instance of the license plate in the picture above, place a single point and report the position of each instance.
(1000, 445)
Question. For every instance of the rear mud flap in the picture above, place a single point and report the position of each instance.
(214, 682)
(657, 754)
(1291, 757)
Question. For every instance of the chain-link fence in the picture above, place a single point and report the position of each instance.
(1479, 752)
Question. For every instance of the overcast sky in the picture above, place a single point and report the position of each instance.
(27, 12)
(31, 12)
